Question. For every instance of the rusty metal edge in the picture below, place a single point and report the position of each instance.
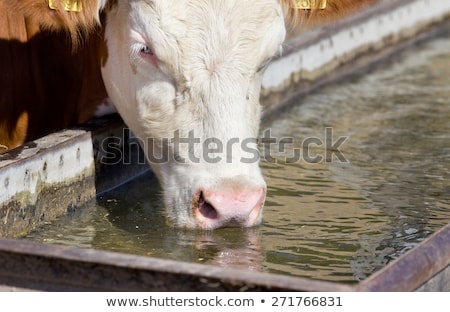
(414, 268)
(31, 265)
(440, 282)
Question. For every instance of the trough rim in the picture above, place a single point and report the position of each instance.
(404, 274)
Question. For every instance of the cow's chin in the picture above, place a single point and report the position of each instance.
(209, 203)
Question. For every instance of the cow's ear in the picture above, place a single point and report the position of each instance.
(74, 16)
(320, 11)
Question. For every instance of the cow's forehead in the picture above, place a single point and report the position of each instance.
(230, 9)
(254, 29)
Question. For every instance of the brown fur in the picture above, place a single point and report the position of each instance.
(37, 12)
(46, 85)
(335, 10)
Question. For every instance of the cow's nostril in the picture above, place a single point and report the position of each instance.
(213, 209)
(205, 208)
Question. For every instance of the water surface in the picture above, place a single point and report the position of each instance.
(336, 220)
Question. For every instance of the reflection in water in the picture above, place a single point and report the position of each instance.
(337, 221)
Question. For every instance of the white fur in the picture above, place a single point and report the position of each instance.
(101, 4)
(207, 81)
(106, 107)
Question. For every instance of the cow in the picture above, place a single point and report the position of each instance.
(184, 75)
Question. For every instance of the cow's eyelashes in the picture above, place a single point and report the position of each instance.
(146, 50)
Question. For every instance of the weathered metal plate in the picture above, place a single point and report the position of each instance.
(30, 265)
(27, 264)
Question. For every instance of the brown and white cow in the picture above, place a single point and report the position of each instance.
(185, 76)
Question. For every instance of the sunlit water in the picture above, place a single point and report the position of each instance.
(381, 192)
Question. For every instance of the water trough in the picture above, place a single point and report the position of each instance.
(68, 169)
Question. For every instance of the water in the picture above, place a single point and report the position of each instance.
(337, 220)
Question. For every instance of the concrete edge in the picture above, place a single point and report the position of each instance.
(332, 52)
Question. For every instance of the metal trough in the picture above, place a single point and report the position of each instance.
(68, 168)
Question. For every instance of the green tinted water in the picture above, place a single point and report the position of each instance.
(337, 221)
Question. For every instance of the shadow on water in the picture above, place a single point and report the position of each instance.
(337, 221)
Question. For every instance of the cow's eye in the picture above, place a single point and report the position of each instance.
(146, 50)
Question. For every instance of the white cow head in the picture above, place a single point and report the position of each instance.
(185, 76)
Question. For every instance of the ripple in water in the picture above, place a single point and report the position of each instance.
(336, 221)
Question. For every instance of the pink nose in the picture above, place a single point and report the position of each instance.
(214, 209)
